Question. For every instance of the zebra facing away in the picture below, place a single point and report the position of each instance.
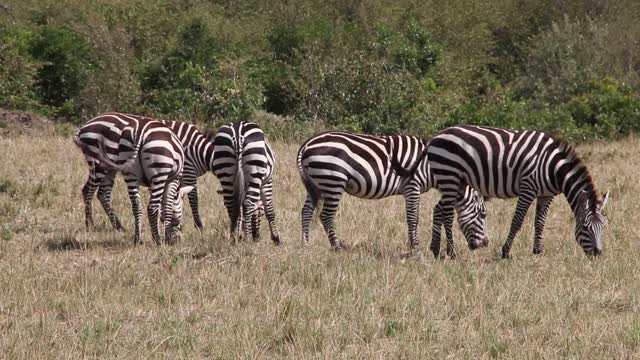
(244, 163)
(197, 161)
(375, 167)
(149, 154)
(529, 165)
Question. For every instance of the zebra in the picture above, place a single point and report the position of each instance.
(374, 167)
(198, 161)
(529, 165)
(148, 153)
(244, 163)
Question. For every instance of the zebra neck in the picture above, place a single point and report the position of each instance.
(574, 183)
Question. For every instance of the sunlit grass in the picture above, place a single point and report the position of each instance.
(69, 292)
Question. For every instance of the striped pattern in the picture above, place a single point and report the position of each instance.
(149, 154)
(373, 167)
(244, 163)
(198, 160)
(528, 165)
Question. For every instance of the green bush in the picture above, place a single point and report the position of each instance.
(67, 63)
(18, 69)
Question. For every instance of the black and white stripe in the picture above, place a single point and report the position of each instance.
(149, 154)
(244, 164)
(198, 160)
(374, 167)
(526, 164)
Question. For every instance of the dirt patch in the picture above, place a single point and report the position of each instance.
(21, 122)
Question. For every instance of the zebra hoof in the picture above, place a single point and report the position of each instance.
(506, 254)
(276, 240)
(537, 252)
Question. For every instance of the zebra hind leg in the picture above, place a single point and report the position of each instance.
(104, 195)
(327, 217)
(266, 194)
(542, 207)
(136, 208)
(307, 215)
(88, 190)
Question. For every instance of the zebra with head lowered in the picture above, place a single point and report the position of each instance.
(198, 160)
(244, 163)
(529, 165)
(149, 154)
(375, 167)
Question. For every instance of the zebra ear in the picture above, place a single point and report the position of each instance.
(184, 190)
(605, 198)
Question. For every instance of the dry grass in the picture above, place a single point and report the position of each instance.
(69, 293)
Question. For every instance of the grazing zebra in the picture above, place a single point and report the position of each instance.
(198, 160)
(374, 167)
(529, 165)
(149, 154)
(244, 163)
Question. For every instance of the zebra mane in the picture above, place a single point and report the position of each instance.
(570, 153)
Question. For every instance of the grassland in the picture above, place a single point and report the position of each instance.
(66, 292)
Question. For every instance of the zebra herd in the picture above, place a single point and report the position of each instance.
(467, 164)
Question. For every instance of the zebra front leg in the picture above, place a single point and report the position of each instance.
(435, 230)
(542, 207)
(448, 205)
(524, 201)
(266, 194)
(412, 205)
(307, 215)
(104, 195)
(193, 202)
(327, 217)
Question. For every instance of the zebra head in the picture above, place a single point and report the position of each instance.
(174, 233)
(472, 218)
(590, 222)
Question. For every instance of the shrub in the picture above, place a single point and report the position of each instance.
(67, 63)
(18, 71)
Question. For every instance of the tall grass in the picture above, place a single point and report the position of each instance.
(71, 293)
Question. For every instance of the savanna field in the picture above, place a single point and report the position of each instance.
(71, 293)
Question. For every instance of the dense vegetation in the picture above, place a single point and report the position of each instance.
(567, 67)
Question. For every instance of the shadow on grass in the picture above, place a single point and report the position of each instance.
(72, 244)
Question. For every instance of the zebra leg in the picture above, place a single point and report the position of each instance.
(327, 217)
(248, 210)
(524, 201)
(193, 202)
(267, 201)
(136, 208)
(448, 205)
(170, 233)
(104, 195)
(255, 225)
(542, 207)
(435, 230)
(88, 190)
(307, 215)
(412, 204)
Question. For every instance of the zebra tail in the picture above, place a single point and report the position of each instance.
(314, 193)
(124, 167)
(239, 184)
